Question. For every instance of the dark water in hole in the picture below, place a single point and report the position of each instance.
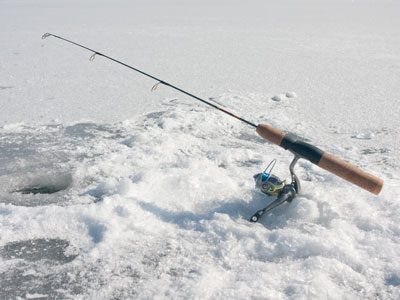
(37, 163)
(43, 185)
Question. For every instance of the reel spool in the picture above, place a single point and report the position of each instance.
(268, 183)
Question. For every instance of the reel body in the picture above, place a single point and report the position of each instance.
(271, 185)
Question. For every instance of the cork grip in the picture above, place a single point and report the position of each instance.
(322, 159)
(271, 133)
(351, 173)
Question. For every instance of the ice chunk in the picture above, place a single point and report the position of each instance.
(279, 97)
(291, 95)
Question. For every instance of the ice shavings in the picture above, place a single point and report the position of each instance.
(158, 210)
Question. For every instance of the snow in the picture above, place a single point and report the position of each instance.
(111, 191)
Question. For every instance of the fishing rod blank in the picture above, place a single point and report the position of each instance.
(151, 76)
(285, 140)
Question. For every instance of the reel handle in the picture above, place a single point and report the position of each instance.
(322, 159)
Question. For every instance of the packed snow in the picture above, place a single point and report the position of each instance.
(111, 191)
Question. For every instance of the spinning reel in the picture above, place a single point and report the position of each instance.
(272, 186)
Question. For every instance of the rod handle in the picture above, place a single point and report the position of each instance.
(351, 173)
(322, 159)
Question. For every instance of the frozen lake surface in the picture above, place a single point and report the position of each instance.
(110, 191)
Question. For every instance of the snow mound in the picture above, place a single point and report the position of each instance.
(279, 97)
(158, 205)
(285, 96)
(291, 95)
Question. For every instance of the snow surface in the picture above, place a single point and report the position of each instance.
(109, 191)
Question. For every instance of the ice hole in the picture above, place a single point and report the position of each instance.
(46, 184)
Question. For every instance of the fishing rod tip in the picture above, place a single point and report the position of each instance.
(45, 35)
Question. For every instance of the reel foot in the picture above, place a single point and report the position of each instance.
(256, 216)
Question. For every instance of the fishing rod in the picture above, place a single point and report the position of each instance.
(286, 140)
(151, 76)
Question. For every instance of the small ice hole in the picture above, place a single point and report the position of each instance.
(47, 184)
